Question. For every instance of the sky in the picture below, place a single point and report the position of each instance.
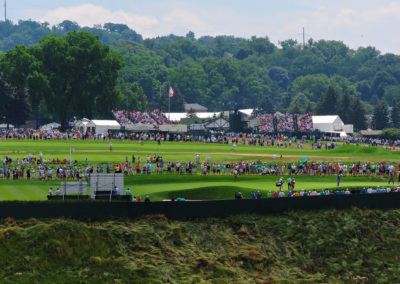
(355, 22)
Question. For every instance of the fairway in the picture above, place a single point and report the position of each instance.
(191, 187)
(160, 187)
(97, 151)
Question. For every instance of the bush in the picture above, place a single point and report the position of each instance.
(390, 133)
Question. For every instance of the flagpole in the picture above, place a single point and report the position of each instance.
(169, 101)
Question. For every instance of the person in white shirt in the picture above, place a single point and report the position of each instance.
(347, 191)
(281, 194)
(369, 190)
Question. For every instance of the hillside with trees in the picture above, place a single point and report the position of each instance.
(226, 72)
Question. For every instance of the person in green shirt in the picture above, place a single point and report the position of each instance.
(289, 180)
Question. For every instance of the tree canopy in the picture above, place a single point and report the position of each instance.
(221, 72)
(73, 75)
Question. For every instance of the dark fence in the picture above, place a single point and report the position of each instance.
(100, 209)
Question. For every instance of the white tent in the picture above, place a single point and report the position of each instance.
(50, 126)
(328, 123)
(102, 126)
(4, 126)
(81, 125)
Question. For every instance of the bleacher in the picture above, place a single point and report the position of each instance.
(285, 123)
(71, 191)
(154, 118)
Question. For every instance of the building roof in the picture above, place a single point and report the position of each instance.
(195, 107)
(105, 122)
(324, 118)
(173, 127)
(370, 132)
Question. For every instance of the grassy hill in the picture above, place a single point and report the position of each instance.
(325, 246)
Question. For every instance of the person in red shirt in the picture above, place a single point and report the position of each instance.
(138, 199)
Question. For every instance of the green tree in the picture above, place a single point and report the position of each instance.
(395, 114)
(133, 97)
(381, 117)
(80, 74)
(327, 105)
(299, 104)
(344, 107)
(357, 115)
(14, 107)
(266, 105)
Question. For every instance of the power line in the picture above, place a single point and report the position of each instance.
(5, 10)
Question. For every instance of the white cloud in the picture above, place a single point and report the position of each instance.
(356, 22)
(89, 14)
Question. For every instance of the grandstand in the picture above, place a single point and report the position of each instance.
(285, 123)
(130, 118)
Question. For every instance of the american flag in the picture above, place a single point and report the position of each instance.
(171, 92)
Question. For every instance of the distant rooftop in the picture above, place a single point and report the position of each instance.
(195, 107)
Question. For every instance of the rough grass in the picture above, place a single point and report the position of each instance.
(296, 247)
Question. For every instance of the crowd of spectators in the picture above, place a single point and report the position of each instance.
(304, 122)
(326, 192)
(266, 123)
(155, 118)
(285, 123)
(42, 167)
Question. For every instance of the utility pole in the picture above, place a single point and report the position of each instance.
(304, 39)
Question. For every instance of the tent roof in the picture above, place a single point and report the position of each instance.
(324, 118)
(370, 132)
(4, 125)
(195, 107)
(139, 127)
(247, 111)
(50, 126)
(105, 122)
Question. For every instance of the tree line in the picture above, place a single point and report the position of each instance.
(222, 73)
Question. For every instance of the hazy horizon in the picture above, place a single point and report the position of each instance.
(356, 23)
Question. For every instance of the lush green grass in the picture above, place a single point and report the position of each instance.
(348, 246)
(160, 187)
(98, 151)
